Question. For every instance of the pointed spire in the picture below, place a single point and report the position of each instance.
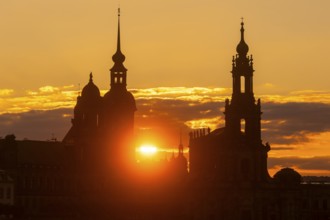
(242, 30)
(242, 48)
(118, 34)
(91, 77)
(118, 57)
(180, 145)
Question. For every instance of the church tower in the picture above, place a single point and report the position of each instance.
(234, 153)
(243, 119)
(243, 114)
(80, 139)
(118, 112)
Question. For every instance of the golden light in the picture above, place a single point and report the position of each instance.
(147, 150)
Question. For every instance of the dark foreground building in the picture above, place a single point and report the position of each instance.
(228, 166)
(92, 173)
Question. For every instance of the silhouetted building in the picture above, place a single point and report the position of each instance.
(42, 181)
(101, 136)
(101, 145)
(228, 166)
(92, 173)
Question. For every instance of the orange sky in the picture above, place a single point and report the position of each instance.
(183, 43)
(175, 50)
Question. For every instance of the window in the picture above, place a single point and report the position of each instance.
(242, 84)
(243, 125)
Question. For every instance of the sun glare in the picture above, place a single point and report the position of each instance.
(147, 150)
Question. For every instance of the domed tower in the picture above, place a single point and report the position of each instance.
(243, 118)
(118, 111)
(86, 113)
(243, 114)
(234, 153)
(83, 133)
(90, 104)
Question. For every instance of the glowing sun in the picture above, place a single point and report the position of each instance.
(147, 150)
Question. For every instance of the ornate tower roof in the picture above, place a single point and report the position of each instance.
(243, 112)
(242, 48)
(118, 94)
(118, 58)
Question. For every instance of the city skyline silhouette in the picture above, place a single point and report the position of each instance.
(228, 157)
(56, 53)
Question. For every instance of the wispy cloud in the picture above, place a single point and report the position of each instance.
(290, 123)
(36, 124)
(43, 98)
(298, 124)
(6, 92)
(312, 96)
(305, 165)
(51, 97)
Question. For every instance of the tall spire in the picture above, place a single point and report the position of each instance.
(180, 145)
(118, 57)
(118, 34)
(242, 48)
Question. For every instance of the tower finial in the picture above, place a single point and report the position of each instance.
(242, 29)
(118, 80)
(118, 36)
(118, 57)
(91, 76)
(242, 48)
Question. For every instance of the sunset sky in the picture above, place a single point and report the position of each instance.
(178, 55)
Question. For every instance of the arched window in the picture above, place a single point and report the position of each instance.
(242, 84)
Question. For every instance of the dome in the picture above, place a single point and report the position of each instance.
(287, 176)
(121, 98)
(90, 90)
(118, 57)
(242, 48)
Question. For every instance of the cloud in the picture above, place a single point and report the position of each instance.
(168, 116)
(44, 98)
(292, 128)
(36, 125)
(291, 123)
(302, 96)
(311, 163)
(282, 148)
(287, 120)
(6, 92)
